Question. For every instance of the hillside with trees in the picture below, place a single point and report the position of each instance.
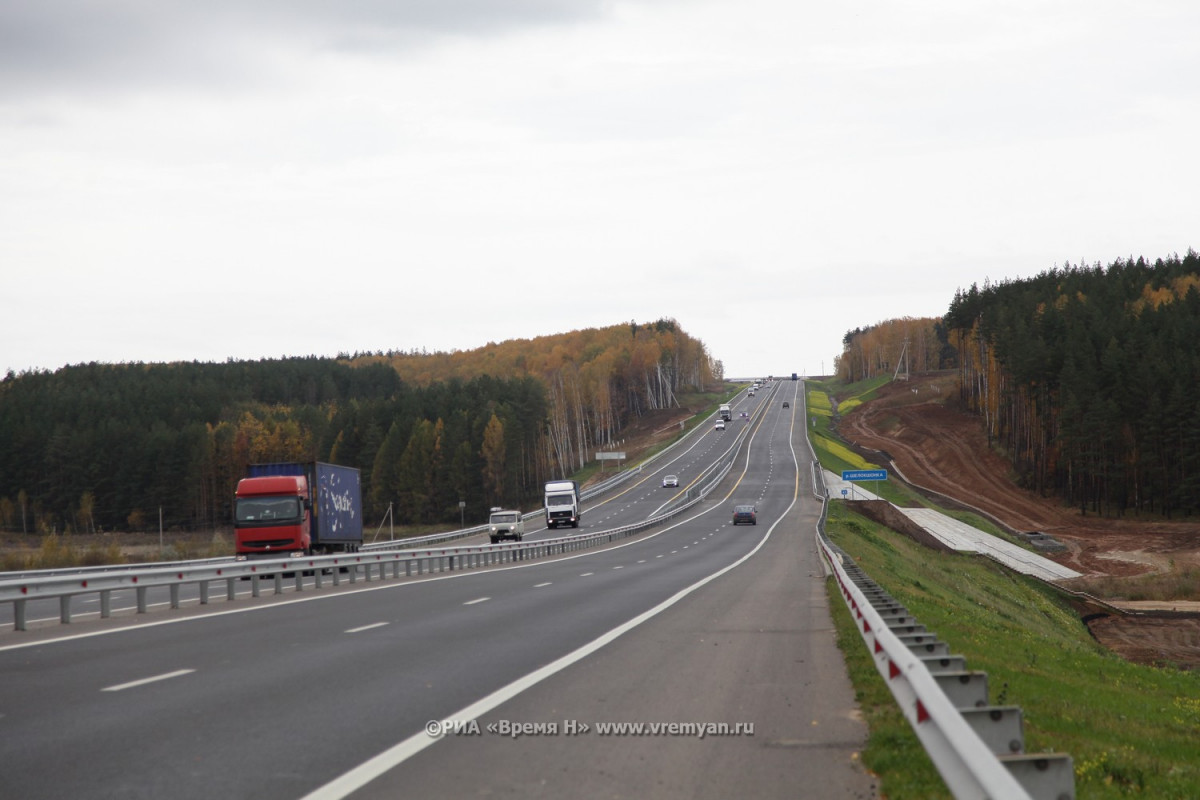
(1087, 378)
(894, 346)
(1084, 376)
(107, 446)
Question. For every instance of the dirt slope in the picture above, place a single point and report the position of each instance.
(935, 446)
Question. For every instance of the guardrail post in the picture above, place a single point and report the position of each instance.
(203, 593)
(230, 591)
(278, 576)
(255, 589)
(174, 588)
(64, 608)
(1043, 775)
(105, 604)
(299, 580)
(352, 571)
(141, 600)
(1000, 727)
(337, 575)
(19, 616)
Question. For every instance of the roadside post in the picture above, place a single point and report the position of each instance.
(877, 475)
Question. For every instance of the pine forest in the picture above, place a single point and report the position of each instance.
(101, 447)
(1087, 378)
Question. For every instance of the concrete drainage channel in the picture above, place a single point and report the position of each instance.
(979, 749)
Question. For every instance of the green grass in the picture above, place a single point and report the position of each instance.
(835, 456)
(1131, 730)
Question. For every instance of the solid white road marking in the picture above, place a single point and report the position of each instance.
(144, 681)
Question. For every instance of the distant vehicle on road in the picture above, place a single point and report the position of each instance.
(720, 425)
(563, 504)
(504, 524)
(670, 481)
(748, 514)
(297, 508)
(786, 404)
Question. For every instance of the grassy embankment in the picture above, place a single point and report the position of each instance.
(1130, 729)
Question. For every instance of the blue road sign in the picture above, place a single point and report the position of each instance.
(864, 474)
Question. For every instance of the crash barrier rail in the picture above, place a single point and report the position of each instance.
(356, 566)
(977, 748)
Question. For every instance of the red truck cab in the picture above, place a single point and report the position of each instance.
(271, 516)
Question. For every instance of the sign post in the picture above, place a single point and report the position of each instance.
(617, 456)
(865, 475)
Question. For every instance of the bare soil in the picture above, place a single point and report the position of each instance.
(930, 443)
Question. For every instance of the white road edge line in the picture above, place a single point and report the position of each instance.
(362, 628)
(372, 768)
(144, 681)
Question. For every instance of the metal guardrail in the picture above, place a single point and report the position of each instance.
(365, 565)
(977, 748)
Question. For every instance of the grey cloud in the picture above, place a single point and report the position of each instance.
(82, 45)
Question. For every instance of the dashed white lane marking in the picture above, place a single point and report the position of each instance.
(540, 585)
(362, 628)
(152, 679)
(477, 600)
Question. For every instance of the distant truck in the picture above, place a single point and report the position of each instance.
(505, 525)
(562, 504)
(726, 412)
(294, 509)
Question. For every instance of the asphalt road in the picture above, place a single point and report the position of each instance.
(330, 693)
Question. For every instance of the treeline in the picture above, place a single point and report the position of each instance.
(109, 447)
(1087, 377)
(894, 346)
(596, 379)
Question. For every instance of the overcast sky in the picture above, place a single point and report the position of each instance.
(262, 178)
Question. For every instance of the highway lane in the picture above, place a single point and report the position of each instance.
(282, 698)
(754, 646)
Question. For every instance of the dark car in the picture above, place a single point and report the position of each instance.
(786, 404)
(745, 514)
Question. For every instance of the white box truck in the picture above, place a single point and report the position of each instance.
(562, 504)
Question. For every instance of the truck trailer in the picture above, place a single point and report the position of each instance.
(562, 504)
(295, 509)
